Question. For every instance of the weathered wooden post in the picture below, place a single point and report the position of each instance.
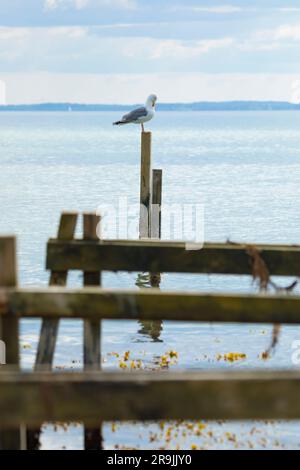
(145, 185)
(156, 204)
(155, 225)
(92, 330)
(9, 329)
(49, 327)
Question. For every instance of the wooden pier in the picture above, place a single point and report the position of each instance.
(27, 399)
(32, 398)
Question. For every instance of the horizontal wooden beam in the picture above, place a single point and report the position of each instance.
(146, 304)
(33, 398)
(162, 256)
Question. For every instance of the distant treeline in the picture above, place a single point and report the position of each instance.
(200, 106)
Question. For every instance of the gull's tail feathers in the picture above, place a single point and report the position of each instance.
(119, 123)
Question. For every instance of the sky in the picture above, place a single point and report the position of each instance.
(119, 51)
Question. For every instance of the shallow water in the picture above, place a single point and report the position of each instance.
(244, 167)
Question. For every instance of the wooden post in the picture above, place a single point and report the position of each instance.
(49, 327)
(145, 185)
(92, 331)
(156, 204)
(9, 329)
(155, 226)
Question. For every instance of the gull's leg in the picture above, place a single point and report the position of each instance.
(143, 130)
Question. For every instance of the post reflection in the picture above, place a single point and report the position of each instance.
(148, 328)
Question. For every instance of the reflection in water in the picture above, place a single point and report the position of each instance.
(149, 328)
(143, 280)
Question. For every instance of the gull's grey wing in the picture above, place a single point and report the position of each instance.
(135, 114)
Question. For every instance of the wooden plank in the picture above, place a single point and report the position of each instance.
(145, 185)
(162, 256)
(91, 331)
(202, 395)
(97, 304)
(9, 329)
(49, 327)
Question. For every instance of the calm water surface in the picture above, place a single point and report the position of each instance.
(244, 167)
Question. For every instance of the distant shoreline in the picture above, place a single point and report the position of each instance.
(197, 106)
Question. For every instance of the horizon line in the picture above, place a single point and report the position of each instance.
(167, 103)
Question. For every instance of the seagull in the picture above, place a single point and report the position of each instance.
(140, 115)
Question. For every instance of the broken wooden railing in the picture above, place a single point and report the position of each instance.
(90, 397)
(95, 304)
(32, 398)
(168, 256)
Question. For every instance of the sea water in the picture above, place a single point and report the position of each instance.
(243, 168)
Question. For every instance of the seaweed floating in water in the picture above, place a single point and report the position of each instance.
(261, 274)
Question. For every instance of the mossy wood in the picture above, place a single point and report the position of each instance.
(155, 217)
(91, 330)
(49, 327)
(9, 330)
(156, 203)
(145, 185)
(95, 303)
(87, 397)
(162, 256)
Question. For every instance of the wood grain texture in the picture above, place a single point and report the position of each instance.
(9, 329)
(156, 204)
(88, 397)
(91, 331)
(155, 224)
(163, 256)
(49, 327)
(8, 262)
(145, 185)
(98, 304)
(91, 354)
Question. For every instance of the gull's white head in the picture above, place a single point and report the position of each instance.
(151, 100)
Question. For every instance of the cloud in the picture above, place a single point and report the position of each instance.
(2, 92)
(186, 49)
(92, 49)
(231, 9)
(51, 5)
(67, 31)
(13, 33)
(126, 4)
(54, 4)
(288, 32)
(271, 39)
(70, 48)
(289, 9)
(174, 50)
(282, 36)
(133, 88)
(222, 9)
